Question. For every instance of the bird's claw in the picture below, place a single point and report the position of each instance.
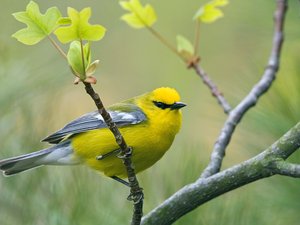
(126, 154)
(136, 196)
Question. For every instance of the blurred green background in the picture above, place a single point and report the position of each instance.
(37, 97)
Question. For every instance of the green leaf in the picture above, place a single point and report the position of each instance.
(91, 69)
(80, 28)
(209, 12)
(138, 16)
(184, 44)
(38, 25)
(185, 47)
(75, 58)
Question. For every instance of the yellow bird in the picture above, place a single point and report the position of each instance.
(148, 122)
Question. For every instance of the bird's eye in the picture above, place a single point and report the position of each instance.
(161, 105)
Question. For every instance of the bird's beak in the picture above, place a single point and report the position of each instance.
(177, 105)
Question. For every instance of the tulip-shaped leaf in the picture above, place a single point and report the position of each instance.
(209, 12)
(139, 16)
(79, 27)
(39, 25)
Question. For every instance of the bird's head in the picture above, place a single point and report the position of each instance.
(162, 107)
(166, 98)
(161, 102)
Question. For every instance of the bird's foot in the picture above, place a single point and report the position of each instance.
(136, 196)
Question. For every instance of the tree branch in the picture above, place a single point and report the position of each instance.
(284, 168)
(204, 189)
(193, 63)
(211, 183)
(252, 98)
(213, 88)
(136, 193)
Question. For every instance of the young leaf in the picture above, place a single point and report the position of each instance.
(209, 12)
(184, 44)
(138, 16)
(38, 25)
(184, 47)
(80, 28)
(75, 59)
(91, 69)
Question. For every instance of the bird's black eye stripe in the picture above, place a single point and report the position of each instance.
(161, 105)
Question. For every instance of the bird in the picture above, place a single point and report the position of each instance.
(148, 123)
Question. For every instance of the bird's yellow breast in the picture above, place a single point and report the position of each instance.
(149, 140)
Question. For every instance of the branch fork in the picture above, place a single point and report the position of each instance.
(252, 98)
(271, 161)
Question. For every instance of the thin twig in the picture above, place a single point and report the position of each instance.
(213, 88)
(204, 189)
(136, 193)
(192, 62)
(252, 98)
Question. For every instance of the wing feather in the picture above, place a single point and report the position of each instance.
(129, 114)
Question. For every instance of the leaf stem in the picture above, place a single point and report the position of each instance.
(82, 58)
(157, 35)
(194, 64)
(165, 42)
(53, 42)
(197, 36)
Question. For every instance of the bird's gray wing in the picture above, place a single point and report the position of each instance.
(126, 115)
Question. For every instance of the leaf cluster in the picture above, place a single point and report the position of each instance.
(140, 16)
(74, 29)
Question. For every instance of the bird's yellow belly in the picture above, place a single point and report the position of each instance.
(148, 148)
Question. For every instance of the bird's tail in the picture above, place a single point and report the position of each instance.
(60, 154)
